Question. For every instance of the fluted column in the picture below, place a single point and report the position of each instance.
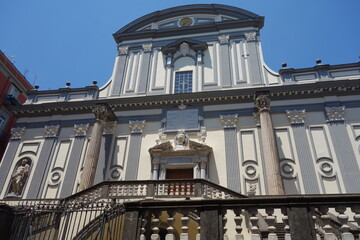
(103, 113)
(270, 151)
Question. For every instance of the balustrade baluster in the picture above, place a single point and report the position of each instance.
(136, 188)
(177, 188)
(166, 189)
(329, 232)
(182, 187)
(343, 219)
(285, 219)
(141, 190)
(198, 228)
(188, 189)
(270, 220)
(171, 189)
(317, 232)
(224, 221)
(254, 219)
(184, 228)
(125, 189)
(160, 188)
(238, 221)
(356, 209)
(170, 229)
(156, 222)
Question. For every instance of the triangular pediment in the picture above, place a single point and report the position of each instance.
(193, 44)
(168, 148)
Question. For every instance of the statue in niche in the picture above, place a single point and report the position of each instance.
(18, 178)
(181, 139)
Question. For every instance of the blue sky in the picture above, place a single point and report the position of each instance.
(57, 41)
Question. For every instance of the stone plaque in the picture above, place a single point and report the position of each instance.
(182, 119)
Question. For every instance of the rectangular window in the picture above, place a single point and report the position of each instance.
(183, 82)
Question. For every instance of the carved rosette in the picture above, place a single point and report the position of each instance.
(262, 103)
(136, 126)
(250, 36)
(229, 121)
(296, 116)
(147, 47)
(51, 130)
(16, 133)
(103, 113)
(224, 39)
(123, 50)
(81, 129)
(335, 114)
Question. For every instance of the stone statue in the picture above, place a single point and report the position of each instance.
(181, 139)
(18, 179)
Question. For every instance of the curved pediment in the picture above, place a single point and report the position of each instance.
(188, 16)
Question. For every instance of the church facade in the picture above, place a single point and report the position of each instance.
(190, 97)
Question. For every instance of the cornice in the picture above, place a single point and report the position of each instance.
(276, 93)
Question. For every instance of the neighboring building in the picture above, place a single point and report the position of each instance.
(189, 98)
(13, 87)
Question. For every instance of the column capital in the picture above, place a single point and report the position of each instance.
(224, 39)
(262, 102)
(81, 129)
(51, 130)
(104, 113)
(123, 50)
(296, 116)
(147, 47)
(250, 36)
(335, 114)
(229, 121)
(16, 133)
(136, 126)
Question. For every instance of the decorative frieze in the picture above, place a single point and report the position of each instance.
(147, 47)
(262, 102)
(335, 114)
(296, 116)
(81, 129)
(51, 130)
(229, 121)
(136, 126)
(123, 50)
(250, 36)
(224, 39)
(16, 133)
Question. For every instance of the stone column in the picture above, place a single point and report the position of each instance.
(103, 113)
(156, 167)
(203, 169)
(270, 151)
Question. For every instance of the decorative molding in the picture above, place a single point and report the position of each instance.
(262, 102)
(137, 126)
(16, 133)
(123, 50)
(147, 47)
(296, 116)
(250, 36)
(81, 129)
(229, 121)
(182, 106)
(51, 130)
(335, 114)
(202, 134)
(224, 39)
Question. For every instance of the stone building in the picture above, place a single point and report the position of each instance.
(191, 110)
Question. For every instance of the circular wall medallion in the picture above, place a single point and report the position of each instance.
(55, 176)
(115, 174)
(185, 22)
(287, 168)
(326, 168)
(250, 170)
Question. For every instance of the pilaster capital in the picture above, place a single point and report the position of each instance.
(203, 164)
(229, 121)
(104, 113)
(156, 165)
(81, 129)
(51, 130)
(296, 116)
(147, 47)
(250, 36)
(224, 39)
(262, 102)
(136, 126)
(123, 50)
(16, 133)
(335, 114)
(109, 127)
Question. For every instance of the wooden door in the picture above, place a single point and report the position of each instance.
(181, 173)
